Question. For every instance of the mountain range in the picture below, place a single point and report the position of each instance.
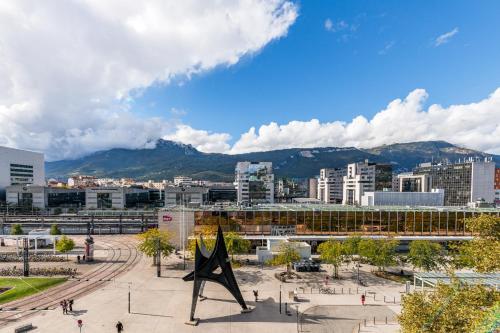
(169, 159)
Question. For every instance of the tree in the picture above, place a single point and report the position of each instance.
(54, 230)
(351, 247)
(16, 230)
(425, 255)
(235, 244)
(154, 242)
(287, 255)
(481, 253)
(65, 244)
(380, 252)
(451, 308)
(332, 252)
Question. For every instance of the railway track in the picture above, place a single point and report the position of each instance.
(122, 256)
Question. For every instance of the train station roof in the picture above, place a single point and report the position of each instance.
(433, 278)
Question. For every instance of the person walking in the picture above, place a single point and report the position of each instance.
(62, 306)
(363, 299)
(256, 295)
(65, 307)
(70, 305)
(119, 327)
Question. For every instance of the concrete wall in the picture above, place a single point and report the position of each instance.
(435, 198)
(172, 222)
(483, 181)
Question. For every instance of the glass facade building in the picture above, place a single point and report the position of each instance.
(338, 220)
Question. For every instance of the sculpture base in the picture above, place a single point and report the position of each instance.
(193, 322)
(247, 310)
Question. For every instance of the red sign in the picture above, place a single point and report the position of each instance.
(80, 323)
(167, 218)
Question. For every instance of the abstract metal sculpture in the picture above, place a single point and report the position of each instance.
(205, 265)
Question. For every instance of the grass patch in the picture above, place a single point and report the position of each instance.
(22, 287)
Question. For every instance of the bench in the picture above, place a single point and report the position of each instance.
(24, 328)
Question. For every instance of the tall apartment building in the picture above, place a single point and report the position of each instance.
(463, 182)
(365, 177)
(20, 167)
(254, 182)
(330, 185)
(312, 186)
(183, 181)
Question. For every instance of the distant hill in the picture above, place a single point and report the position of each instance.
(169, 159)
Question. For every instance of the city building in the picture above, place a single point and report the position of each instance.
(82, 181)
(408, 182)
(395, 182)
(497, 178)
(219, 193)
(464, 182)
(313, 188)
(20, 167)
(365, 177)
(41, 197)
(287, 189)
(185, 196)
(330, 185)
(105, 198)
(412, 199)
(254, 182)
(183, 181)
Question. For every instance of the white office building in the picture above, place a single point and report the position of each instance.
(20, 167)
(408, 182)
(360, 178)
(330, 185)
(254, 182)
(183, 181)
(412, 199)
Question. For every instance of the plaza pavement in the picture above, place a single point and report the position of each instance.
(163, 304)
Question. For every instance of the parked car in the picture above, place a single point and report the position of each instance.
(306, 265)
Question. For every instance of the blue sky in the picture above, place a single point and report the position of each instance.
(379, 51)
(237, 76)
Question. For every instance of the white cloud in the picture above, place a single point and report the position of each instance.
(445, 38)
(202, 140)
(338, 26)
(328, 24)
(70, 69)
(387, 47)
(474, 125)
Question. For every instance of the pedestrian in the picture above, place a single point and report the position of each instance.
(84, 257)
(256, 295)
(78, 258)
(70, 304)
(65, 307)
(119, 327)
(363, 298)
(62, 305)
(326, 280)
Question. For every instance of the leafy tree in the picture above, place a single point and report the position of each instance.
(235, 244)
(351, 247)
(54, 230)
(65, 244)
(380, 252)
(483, 251)
(16, 230)
(332, 252)
(425, 255)
(451, 308)
(287, 255)
(154, 242)
(57, 211)
(208, 233)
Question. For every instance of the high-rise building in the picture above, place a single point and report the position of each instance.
(20, 167)
(254, 182)
(330, 185)
(463, 182)
(313, 188)
(183, 181)
(497, 178)
(365, 177)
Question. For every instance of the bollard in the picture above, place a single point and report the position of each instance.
(394, 299)
(373, 321)
(386, 320)
(373, 296)
(359, 327)
(333, 290)
(384, 299)
(349, 291)
(357, 290)
(365, 322)
(342, 290)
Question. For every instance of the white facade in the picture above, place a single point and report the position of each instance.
(26, 195)
(254, 182)
(483, 181)
(360, 178)
(330, 185)
(408, 182)
(183, 181)
(185, 195)
(385, 198)
(20, 167)
(272, 249)
(105, 198)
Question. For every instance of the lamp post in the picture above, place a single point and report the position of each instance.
(183, 231)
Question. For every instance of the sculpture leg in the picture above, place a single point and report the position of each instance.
(196, 291)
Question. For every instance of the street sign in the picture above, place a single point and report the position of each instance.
(167, 218)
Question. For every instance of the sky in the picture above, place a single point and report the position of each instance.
(251, 75)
